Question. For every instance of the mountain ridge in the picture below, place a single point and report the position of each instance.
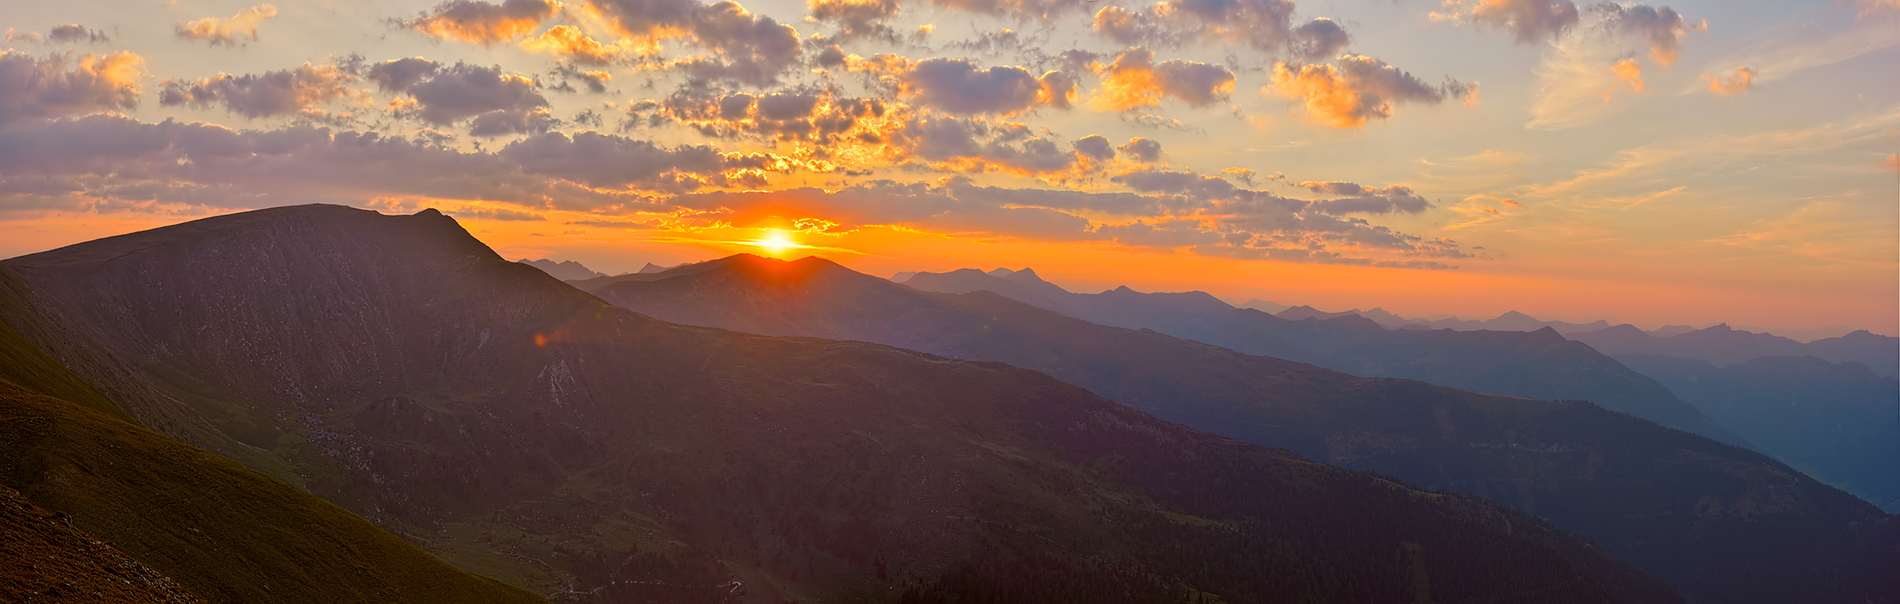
(476, 405)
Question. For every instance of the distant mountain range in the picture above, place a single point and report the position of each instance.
(1839, 422)
(1540, 364)
(508, 422)
(1595, 472)
(1723, 346)
(564, 270)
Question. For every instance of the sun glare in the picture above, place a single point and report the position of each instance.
(776, 242)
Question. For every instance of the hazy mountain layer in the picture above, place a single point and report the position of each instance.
(1838, 422)
(1723, 346)
(400, 368)
(1674, 503)
(1537, 364)
(565, 270)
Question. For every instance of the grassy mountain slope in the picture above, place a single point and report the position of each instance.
(47, 560)
(1675, 504)
(522, 427)
(219, 529)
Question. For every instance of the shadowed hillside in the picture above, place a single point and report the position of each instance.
(1673, 503)
(521, 427)
(1836, 421)
(220, 530)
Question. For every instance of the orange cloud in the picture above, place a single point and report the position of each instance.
(1893, 162)
(568, 41)
(1134, 80)
(1743, 80)
(1358, 89)
(481, 22)
(1627, 72)
(45, 89)
(226, 31)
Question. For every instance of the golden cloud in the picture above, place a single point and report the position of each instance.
(1741, 81)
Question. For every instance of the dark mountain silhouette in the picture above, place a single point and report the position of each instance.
(1673, 503)
(396, 366)
(1539, 364)
(183, 517)
(1839, 422)
(1723, 346)
(1509, 321)
(567, 270)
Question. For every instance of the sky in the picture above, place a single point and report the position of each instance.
(1693, 162)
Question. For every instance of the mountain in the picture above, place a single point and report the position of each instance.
(650, 268)
(568, 270)
(1675, 504)
(1839, 422)
(1302, 313)
(192, 524)
(1723, 346)
(514, 424)
(1539, 364)
(1262, 306)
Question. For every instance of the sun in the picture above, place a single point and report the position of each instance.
(776, 242)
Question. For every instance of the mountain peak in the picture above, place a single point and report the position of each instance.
(1002, 272)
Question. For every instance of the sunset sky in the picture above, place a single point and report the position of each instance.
(1688, 163)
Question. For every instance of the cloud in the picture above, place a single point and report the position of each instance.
(1534, 21)
(746, 48)
(503, 214)
(1578, 77)
(482, 22)
(1350, 198)
(1627, 73)
(36, 88)
(1358, 89)
(1142, 149)
(1892, 162)
(1786, 50)
(1264, 25)
(73, 33)
(1662, 28)
(1875, 8)
(1741, 81)
(122, 160)
(857, 18)
(226, 32)
(1134, 80)
(1096, 147)
(605, 160)
(960, 87)
(1037, 9)
(261, 95)
(571, 43)
(498, 103)
(1528, 21)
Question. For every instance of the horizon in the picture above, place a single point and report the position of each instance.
(1673, 163)
(1798, 335)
